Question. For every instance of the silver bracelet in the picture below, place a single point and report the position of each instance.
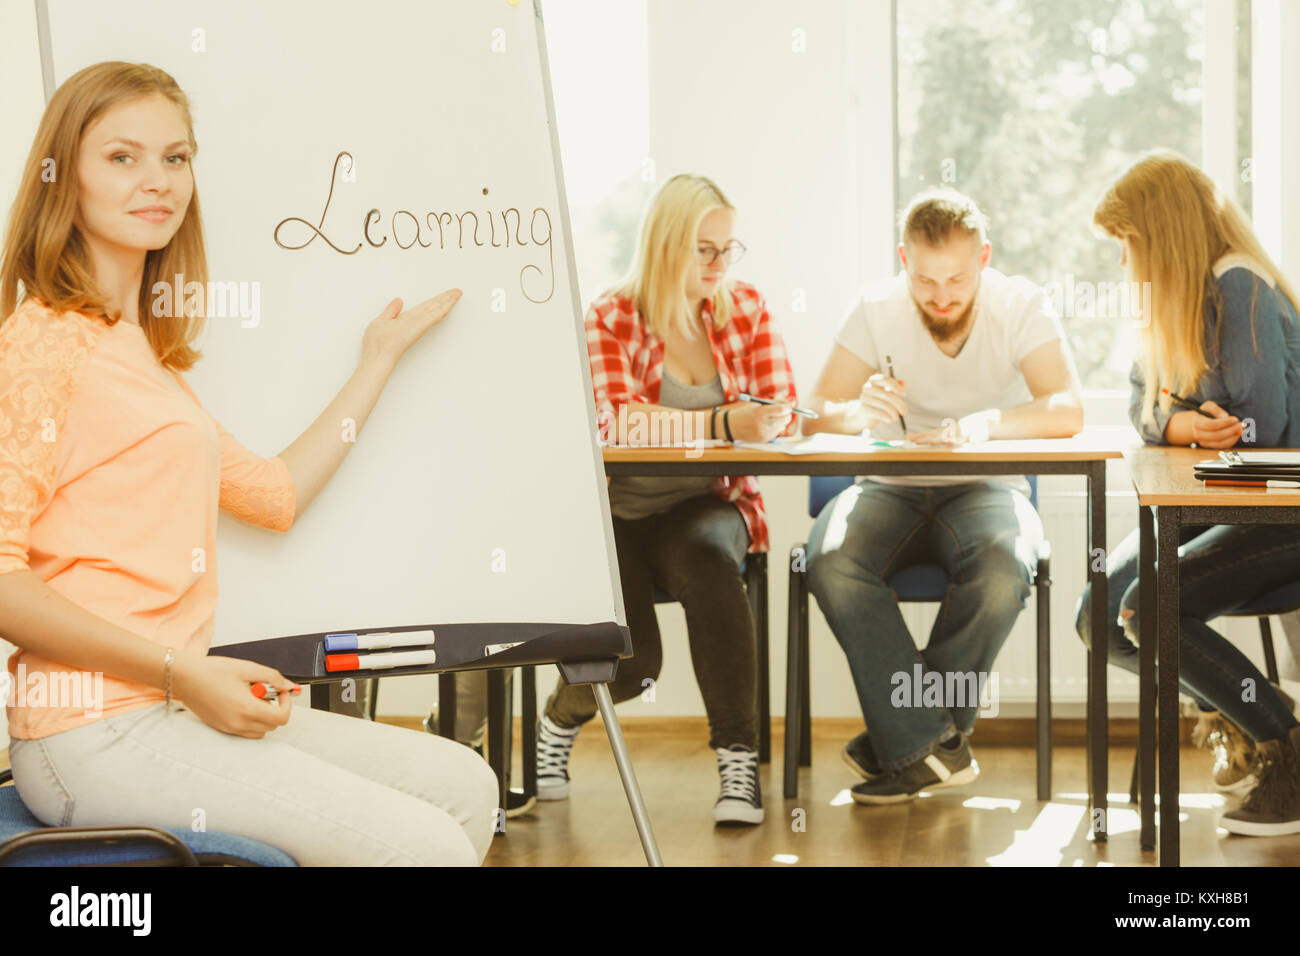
(167, 677)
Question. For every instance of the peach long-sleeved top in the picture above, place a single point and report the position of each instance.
(111, 476)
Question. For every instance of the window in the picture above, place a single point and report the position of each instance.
(1245, 194)
(1033, 109)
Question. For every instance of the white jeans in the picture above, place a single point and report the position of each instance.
(328, 790)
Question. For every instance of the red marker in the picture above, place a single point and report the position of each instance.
(270, 694)
(356, 662)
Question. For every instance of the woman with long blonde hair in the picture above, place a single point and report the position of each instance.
(111, 476)
(672, 348)
(1222, 331)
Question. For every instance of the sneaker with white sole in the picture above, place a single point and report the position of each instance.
(949, 764)
(741, 800)
(553, 746)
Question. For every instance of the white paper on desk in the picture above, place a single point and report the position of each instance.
(1267, 457)
(702, 443)
(823, 443)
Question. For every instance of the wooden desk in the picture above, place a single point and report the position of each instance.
(1085, 454)
(1168, 498)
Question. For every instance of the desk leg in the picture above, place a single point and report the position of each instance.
(498, 755)
(1147, 676)
(1098, 743)
(1167, 624)
(447, 705)
(639, 815)
(528, 727)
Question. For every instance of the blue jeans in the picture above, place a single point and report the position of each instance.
(984, 534)
(1220, 569)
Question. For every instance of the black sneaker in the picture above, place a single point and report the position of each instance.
(860, 756)
(554, 743)
(1273, 807)
(943, 766)
(741, 800)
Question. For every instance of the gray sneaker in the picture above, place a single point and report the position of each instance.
(943, 766)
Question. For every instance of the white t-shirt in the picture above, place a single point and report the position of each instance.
(1012, 318)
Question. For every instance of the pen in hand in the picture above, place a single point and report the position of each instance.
(806, 413)
(889, 361)
(268, 693)
(1185, 403)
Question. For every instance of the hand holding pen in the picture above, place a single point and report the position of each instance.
(1211, 427)
(217, 690)
(755, 421)
(882, 400)
(269, 694)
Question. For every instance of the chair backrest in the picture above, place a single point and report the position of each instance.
(822, 488)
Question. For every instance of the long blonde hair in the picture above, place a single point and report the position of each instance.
(1178, 224)
(666, 249)
(44, 249)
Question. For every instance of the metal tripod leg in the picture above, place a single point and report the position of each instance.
(639, 815)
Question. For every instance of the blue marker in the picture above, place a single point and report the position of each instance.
(363, 642)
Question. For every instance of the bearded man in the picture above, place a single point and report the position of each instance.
(949, 351)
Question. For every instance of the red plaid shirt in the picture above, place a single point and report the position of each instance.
(627, 363)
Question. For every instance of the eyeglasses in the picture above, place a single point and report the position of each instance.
(708, 254)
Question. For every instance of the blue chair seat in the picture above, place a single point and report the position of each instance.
(53, 848)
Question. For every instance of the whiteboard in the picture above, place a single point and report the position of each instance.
(475, 492)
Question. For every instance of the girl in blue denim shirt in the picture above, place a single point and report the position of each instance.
(1222, 331)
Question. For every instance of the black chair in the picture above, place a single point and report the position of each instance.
(1283, 600)
(921, 583)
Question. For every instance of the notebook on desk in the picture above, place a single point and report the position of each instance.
(1249, 466)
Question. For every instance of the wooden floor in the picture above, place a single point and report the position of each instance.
(996, 821)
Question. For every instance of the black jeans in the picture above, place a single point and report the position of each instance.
(1220, 569)
(693, 552)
